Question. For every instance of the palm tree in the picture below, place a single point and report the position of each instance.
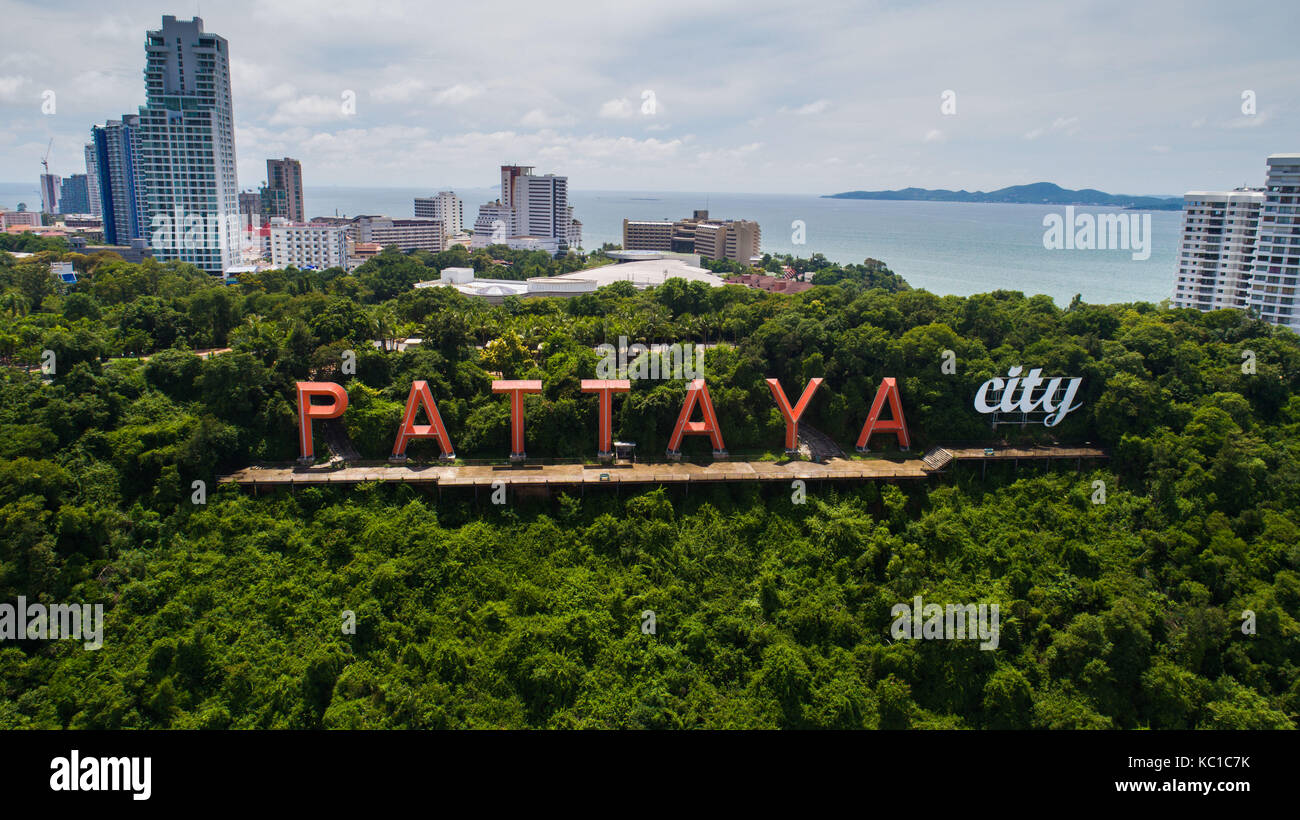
(16, 303)
(383, 320)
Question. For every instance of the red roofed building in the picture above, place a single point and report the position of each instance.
(771, 284)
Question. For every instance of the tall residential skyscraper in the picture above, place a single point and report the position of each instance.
(282, 196)
(92, 180)
(542, 206)
(50, 189)
(1217, 248)
(533, 212)
(509, 173)
(74, 199)
(1275, 275)
(121, 185)
(446, 207)
(187, 147)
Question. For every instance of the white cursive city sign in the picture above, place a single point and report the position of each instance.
(1055, 399)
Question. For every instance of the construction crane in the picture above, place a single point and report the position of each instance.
(45, 162)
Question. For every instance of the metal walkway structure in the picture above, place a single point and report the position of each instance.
(936, 461)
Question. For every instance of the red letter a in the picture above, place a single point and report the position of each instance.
(420, 396)
(888, 390)
(697, 392)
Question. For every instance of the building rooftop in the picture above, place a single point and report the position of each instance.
(771, 284)
(642, 275)
(1251, 192)
(645, 274)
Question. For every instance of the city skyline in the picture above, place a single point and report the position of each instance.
(1080, 97)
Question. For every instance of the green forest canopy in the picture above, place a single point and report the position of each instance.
(768, 613)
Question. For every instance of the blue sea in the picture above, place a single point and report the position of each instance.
(944, 247)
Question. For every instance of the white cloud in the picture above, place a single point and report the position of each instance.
(619, 108)
(537, 118)
(736, 155)
(485, 97)
(403, 90)
(310, 109)
(91, 87)
(254, 80)
(1251, 121)
(281, 91)
(10, 88)
(457, 94)
(115, 29)
(1064, 125)
(814, 107)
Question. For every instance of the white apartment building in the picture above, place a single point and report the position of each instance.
(187, 146)
(541, 205)
(446, 207)
(1217, 250)
(406, 234)
(494, 226)
(307, 246)
(1275, 276)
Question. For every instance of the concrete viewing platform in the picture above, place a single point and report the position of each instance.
(684, 472)
(576, 474)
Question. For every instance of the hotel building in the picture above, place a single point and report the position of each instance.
(121, 186)
(1217, 248)
(1241, 248)
(736, 239)
(282, 195)
(187, 146)
(446, 207)
(533, 213)
(307, 246)
(1276, 274)
(406, 234)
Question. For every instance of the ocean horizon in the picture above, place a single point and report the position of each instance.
(944, 247)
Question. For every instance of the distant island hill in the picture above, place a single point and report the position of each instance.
(1039, 193)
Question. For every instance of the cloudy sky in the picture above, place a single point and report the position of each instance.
(1142, 98)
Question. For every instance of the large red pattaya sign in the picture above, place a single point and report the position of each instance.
(697, 401)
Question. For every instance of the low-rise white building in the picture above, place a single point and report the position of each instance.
(406, 234)
(308, 246)
(641, 275)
